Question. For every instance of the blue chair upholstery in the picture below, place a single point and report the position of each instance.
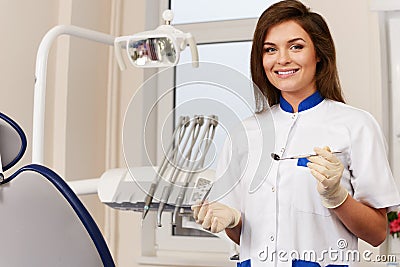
(43, 221)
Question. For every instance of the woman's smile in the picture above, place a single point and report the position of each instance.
(283, 74)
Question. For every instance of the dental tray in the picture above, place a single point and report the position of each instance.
(126, 189)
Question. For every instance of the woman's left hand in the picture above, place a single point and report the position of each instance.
(328, 170)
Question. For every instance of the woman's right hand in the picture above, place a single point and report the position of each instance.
(215, 216)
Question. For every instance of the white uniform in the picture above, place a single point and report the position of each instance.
(284, 218)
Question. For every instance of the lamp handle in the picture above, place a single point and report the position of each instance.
(193, 50)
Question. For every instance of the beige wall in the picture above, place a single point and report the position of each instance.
(355, 32)
(21, 31)
(88, 96)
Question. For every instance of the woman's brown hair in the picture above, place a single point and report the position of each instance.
(326, 77)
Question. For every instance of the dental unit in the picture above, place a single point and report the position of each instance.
(181, 168)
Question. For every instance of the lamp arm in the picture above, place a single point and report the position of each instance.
(39, 100)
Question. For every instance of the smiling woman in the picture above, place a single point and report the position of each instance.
(305, 204)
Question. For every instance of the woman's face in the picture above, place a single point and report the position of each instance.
(289, 59)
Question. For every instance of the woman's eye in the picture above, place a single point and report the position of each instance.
(296, 47)
(269, 49)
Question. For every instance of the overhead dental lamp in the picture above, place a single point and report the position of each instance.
(157, 48)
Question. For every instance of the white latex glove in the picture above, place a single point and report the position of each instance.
(328, 170)
(215, 217)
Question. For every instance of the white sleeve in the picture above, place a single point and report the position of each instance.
(372, 179)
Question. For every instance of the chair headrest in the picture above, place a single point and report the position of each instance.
(12, 142)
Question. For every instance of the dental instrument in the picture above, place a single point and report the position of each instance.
(179, 130)
(206, 195)
(208, 137)
(179, 163)
(168, 159)
(277, 157)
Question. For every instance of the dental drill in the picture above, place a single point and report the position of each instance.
(177, 136)
(208, 137)
(182, 161)
(179, 162)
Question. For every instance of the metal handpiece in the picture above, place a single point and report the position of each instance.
(164, 198)
(182, 124)
(179, 161)
(208, 136)
(184, 158)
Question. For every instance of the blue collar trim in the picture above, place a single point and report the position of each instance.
(307, 103)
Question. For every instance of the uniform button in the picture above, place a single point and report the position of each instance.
(282, 149)
(293, 116)
(273, 189)
(272, 238)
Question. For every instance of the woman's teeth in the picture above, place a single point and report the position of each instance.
(286, 72)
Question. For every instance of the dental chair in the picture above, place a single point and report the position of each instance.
(43, 223)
